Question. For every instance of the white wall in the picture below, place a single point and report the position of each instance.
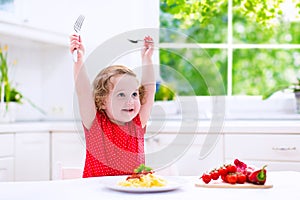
(44, 72)
(104, 19)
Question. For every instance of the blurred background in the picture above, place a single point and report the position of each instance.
(240, 49)
(35, 35)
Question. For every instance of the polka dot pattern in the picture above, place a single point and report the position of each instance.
(113, 149)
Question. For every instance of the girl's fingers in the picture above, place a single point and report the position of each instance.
(148, 46)
(75, 44)
(74, 37)
(148, 41)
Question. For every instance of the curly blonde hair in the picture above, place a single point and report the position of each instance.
(102, 83)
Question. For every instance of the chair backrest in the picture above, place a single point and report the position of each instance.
(71, 173)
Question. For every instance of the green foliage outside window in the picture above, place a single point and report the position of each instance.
(193, 72)
(254, 71)
(202, 21)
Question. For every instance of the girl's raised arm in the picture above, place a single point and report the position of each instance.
(148, 80)
(83, 87)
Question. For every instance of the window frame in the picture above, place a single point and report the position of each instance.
(255, 102)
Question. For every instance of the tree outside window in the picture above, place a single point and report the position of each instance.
(229, 47)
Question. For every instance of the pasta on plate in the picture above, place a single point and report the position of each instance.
(145, 181)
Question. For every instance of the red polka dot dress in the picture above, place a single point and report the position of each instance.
(113, 149)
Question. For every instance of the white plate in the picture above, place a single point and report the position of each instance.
(111, 182)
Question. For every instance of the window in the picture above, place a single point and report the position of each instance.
(11, 10)
(229, 47)
(7, 5)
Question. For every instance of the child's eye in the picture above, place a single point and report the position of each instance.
(135, 94)
(121, 94)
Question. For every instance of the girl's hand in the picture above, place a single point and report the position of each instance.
(147, 50)
(76, 43)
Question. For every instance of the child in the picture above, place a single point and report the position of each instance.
(114, 113)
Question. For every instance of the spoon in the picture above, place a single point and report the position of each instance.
(136, 41)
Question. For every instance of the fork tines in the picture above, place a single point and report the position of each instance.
(78, 23)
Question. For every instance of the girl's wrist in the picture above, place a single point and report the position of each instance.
(147, 60)
(78, 65)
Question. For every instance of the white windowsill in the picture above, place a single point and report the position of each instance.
(278, 107)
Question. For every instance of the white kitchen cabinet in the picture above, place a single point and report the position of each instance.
(6, 157)
(32, 160)
(182, 157)
(7, 169)
(67, 155)
(6, 144)
(35, 24)
(277, 151)
(45, 151)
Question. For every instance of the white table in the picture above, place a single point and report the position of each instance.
(286, 187)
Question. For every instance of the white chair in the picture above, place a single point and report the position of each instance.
(71, 173)
(64, 171)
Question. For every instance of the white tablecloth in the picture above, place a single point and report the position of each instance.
(285, 187)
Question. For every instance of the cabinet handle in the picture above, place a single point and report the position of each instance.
(156, 140)
(152, 139)
(284, 148)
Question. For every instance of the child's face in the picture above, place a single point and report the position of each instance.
(123, 102)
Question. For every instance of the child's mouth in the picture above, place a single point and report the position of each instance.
(128, 110)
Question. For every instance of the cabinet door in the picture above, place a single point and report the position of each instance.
(189, 163)
(279, 152)
(192, 164)
(32, 156)
(6, 169)
(7, 156)
(273, 165)
(283, 147)
(68, 154)
(6, 144)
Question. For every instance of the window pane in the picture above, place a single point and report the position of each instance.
(284, 29)
(7, 5)
(201, 21)
(195, 71)
(256, 71)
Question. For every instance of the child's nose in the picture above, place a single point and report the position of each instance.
(129, 101)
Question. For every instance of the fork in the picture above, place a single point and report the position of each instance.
(77, 28)
(136, 41)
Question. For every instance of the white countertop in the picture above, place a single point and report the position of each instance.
(227, 126)
(171, 126)
(285, 186)
(40, 126)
